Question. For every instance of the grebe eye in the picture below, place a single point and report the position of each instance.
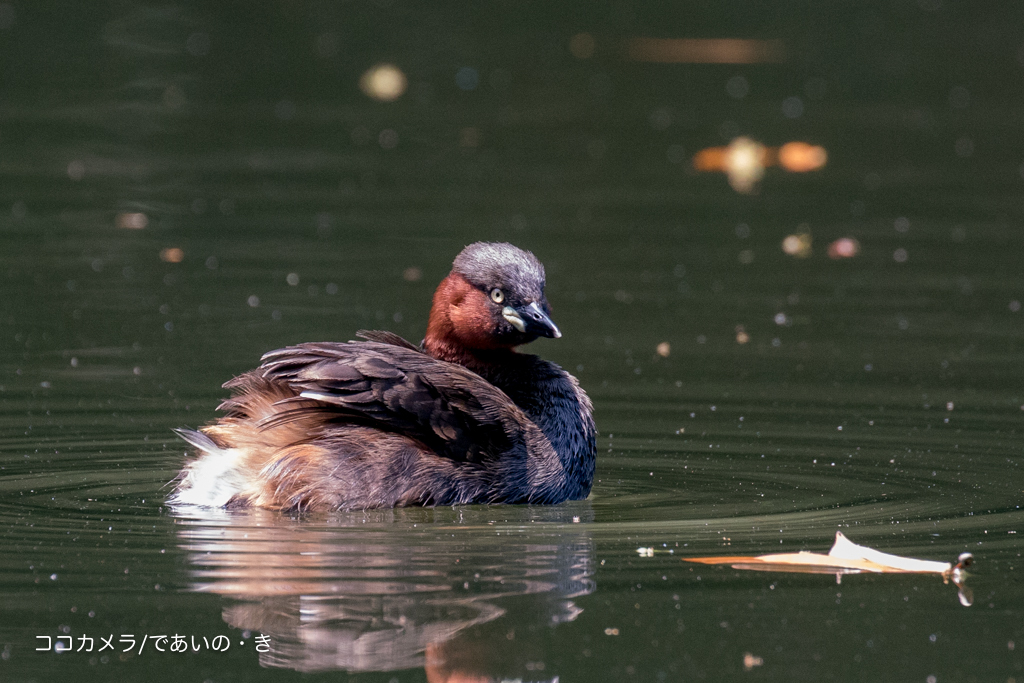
(497, 296)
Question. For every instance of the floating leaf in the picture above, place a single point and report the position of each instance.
(846, 557)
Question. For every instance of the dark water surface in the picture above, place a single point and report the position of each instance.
(880, 395)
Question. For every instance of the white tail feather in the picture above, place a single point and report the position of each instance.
(213, 478)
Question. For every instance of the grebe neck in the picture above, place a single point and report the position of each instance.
(468, 340)
(484, 362)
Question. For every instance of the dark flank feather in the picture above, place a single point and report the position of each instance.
(452, 411)
(386, 338)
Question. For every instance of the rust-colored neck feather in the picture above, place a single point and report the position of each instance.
(461, 324)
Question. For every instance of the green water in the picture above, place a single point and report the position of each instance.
(880, 395)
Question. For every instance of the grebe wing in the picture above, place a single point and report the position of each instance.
(385, 337)
(451, 410)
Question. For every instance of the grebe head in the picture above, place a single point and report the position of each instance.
(492, 299)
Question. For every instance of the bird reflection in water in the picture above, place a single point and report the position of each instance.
(453, 591)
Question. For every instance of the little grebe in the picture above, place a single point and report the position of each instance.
(382, 423)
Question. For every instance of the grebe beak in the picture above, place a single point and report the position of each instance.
(531, 319)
